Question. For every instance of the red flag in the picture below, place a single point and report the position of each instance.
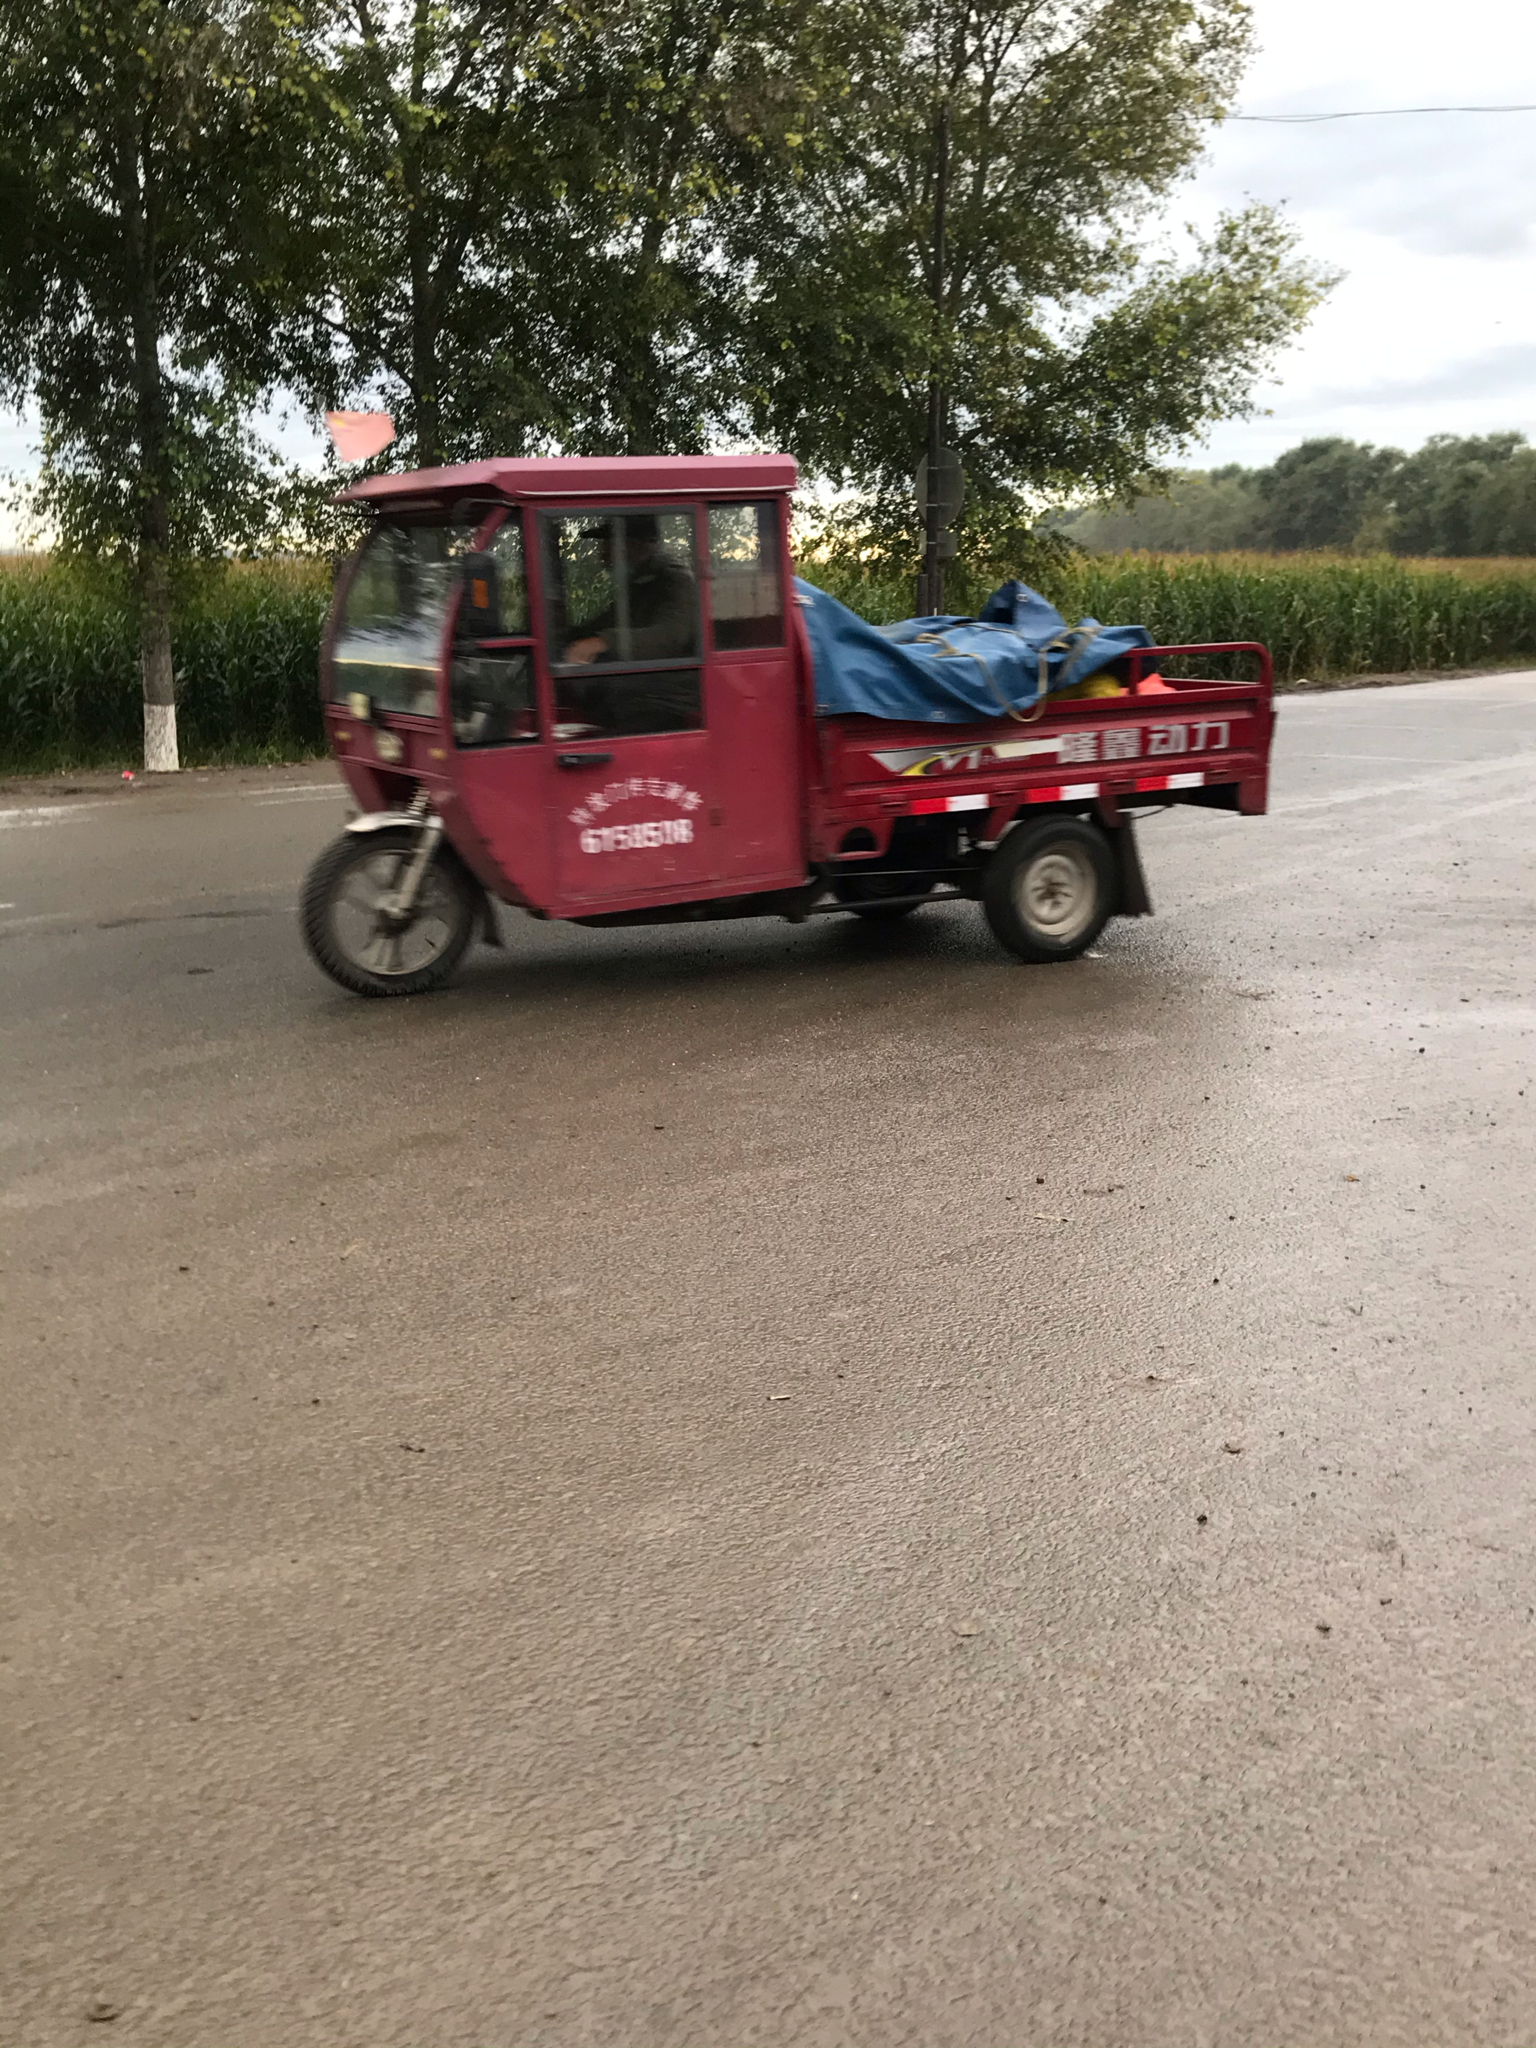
(357, 435)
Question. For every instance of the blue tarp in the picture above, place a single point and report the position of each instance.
(953, 671)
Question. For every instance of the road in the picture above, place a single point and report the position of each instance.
(782, 1485)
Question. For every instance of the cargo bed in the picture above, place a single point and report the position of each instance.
(1166, 739)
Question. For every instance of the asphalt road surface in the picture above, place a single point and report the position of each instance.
(782, 1485)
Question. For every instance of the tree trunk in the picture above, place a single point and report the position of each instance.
(424, 342)
(429, 411)
(162, 754)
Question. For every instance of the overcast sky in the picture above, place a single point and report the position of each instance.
(1432, 217)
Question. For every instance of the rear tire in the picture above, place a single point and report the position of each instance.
(348, 938)
(1049, 889)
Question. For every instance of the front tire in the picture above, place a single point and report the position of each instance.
(1049, 889)
(349, 934)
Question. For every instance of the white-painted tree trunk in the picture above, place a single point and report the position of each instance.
(161, 754)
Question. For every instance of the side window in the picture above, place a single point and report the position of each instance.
(622, 616)
(746, 588)
(492, 687)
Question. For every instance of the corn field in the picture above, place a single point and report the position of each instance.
(246, 640)
(1322, 617)
(247, 636)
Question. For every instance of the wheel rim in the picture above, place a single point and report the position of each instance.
(360, 928)
(1057, 893)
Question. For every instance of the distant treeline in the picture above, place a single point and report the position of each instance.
(1472, 495)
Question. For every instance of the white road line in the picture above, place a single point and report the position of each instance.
(52, 814)
(1344, 758)
(18, 924)
(293, 796)
(290, 788)
(154, 910)
(1470, 771)
(1278, 873)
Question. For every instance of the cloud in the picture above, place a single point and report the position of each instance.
(1440, 185)
(1508, 371)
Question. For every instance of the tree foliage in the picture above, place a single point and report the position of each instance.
(132, 162)
(650, 226)
(1324, 493)
(507, 217)
(1068, 356)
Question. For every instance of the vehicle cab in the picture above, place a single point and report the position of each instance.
(590, 668)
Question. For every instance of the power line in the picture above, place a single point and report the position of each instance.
(1374, 113)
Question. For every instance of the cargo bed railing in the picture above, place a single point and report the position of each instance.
(1142, 657)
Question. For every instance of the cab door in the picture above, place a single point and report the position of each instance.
(629, 785)
(752, 687)
(499, 734)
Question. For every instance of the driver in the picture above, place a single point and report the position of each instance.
(662, 607)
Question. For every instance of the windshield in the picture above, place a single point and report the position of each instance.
(389, 635)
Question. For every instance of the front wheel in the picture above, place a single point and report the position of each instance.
(1049, 889)
(351, 932)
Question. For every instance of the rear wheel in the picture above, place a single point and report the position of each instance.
(351, 932)
(863, 894)
(1049, 889)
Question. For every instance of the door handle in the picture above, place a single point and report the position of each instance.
(582, 760)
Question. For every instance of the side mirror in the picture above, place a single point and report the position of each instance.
(480, 605)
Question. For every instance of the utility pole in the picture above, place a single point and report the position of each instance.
(930, 595)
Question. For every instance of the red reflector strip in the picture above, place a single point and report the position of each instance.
(1192, 780)
(928, 806)
(1061, 793)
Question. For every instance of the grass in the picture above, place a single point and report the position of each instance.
(247, 636)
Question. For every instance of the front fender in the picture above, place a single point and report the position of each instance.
(379, 821)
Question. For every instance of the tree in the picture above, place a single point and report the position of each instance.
(1323, 493)
(701, 111)
(1503, 514)
(420, 165)
(1198, 512)
(1455, 496)
(1065, 357)
(128, 149)
(1440, 491)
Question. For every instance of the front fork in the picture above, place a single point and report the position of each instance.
(397, 908)
(427, 829)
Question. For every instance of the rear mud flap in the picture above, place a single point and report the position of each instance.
(1135, 898)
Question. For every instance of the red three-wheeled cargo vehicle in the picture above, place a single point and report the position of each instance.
(584, 687)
